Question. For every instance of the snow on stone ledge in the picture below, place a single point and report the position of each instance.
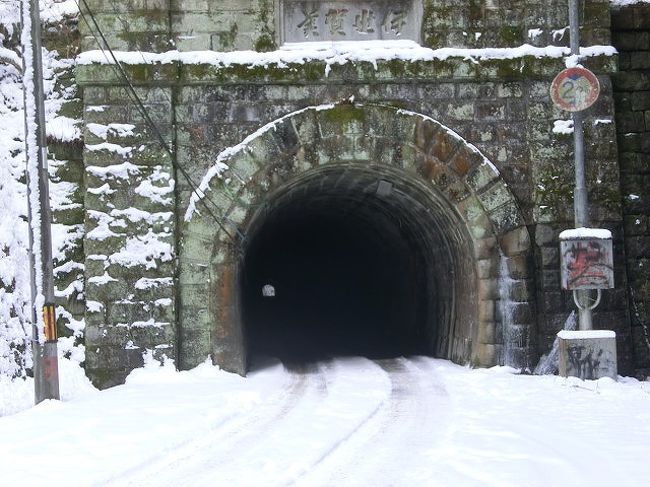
(626, 3)
(63, 129)
(339, 53)
(583, 232)
(564, 127)
(55, 11)
(585, 334)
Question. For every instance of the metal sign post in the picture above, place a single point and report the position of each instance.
(580, 201)
(574, 90)
(44, 336)
(581, 204)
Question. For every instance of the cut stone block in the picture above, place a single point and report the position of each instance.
(589, 355)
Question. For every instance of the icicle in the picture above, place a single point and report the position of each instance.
(548, 364)
(506, 306)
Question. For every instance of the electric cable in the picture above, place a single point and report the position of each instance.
(229, 194)
(117, 66)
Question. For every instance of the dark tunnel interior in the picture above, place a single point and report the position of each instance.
(348, 278)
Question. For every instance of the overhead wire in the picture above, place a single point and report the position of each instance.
(117, 66)
(226, 190)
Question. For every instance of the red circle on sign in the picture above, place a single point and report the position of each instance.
(575, 89)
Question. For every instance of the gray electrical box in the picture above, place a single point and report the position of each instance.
(586, 259)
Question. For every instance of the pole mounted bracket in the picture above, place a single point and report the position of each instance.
(578, 293)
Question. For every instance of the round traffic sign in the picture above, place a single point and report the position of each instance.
(575, 89)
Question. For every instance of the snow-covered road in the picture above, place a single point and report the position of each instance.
(345, 422)
(337, 423)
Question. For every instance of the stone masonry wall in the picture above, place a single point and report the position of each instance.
(129, 240)
(235, 25)
(506, 114)
(65, 161)
(631, 36)
(509, 121)
(501, 106)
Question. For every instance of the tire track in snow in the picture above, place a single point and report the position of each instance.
(328, 409)
(232, 426)
(390, 448)
(336, 445)
(340, 395)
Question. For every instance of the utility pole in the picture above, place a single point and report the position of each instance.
(586, 258)
(44, 334)
(580, 202)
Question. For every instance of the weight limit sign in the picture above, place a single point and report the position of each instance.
(575, 89)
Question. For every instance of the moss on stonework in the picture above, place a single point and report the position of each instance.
(553, 190)
(427, 20)
(103, 378)
(63, 37)
(266, 41)
(227, 38)
(475, 12)
(511, 35)
(434, 39)
(398, 104)
(596, 13)
(66, 151)
(396, 68)
(525, 67)
(345, 113)
(432, 35)
(313, 71)
(139, 72)
(155, 14)
(243, 71)
(508, 68)
(294, 73)
(198, 71)
(72, 109)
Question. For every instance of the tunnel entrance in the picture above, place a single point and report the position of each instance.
(354, 229)
(337, 265)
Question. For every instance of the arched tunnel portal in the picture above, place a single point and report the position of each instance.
(377, 231)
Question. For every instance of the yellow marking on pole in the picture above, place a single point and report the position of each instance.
(49, 319)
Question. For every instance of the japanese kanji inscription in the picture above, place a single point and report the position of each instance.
(340, 20)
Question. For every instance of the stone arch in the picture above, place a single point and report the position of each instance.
(450, 196)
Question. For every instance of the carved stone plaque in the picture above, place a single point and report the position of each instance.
(350, 20)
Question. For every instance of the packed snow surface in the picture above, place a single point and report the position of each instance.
(340, 53)
(584, 232)
(563, 127)
(348, 421)
(625, 3)
(585, 334)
